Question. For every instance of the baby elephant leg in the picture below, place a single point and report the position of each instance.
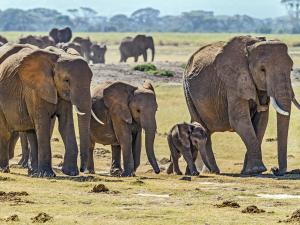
(174, 157)
(188, 155)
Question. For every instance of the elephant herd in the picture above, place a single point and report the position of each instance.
(228, 86)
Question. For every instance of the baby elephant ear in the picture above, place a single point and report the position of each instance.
(233, 68)
(148, 85)
(184, 135)
(36, 71)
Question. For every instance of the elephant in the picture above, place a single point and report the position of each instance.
(97, 54)
(3, 40)
(134, 47)
(61, 35)
(37, 85)
(228, 87)
(72, 45)
(119, 113)
(39, 41)
(186, 139)
(85, 44)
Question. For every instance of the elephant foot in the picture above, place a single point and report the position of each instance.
(127, 174)
(277, 172)
(32, 172)
(4, 169)
(195, 173)
(254, 168)
(116, 172)
(45, 172)
(23, 162)
(70, 170)
(178, 173)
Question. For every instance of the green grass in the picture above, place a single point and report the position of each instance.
(70, 201)
(152, 70)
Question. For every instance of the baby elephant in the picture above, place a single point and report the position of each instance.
(186, 139)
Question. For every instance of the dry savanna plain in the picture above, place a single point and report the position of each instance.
(161, 199)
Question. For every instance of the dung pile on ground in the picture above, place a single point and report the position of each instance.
(58, 156)
(12, 218)
(13, 197)
(252, 209)
(99, 188)
(41, 218)
(230, 204)
(101, 152)
(295, 218)
(137, 182)
(164, 161)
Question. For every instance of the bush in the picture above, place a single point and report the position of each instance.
(152, 70)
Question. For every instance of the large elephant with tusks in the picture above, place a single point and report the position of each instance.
(228, 87)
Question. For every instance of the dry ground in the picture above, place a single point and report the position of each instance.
(160, 199)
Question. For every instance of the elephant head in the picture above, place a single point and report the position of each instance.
(98, 53)
(250, 65)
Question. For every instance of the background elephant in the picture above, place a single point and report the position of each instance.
(36, 86)
(61, 35)
(186, 140)
(228, 87)
(125, 111)
(97, 53)
(39, 41)
(134, 47)
(72, 45)
(85, 44)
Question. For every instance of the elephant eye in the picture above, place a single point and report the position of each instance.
(67, 81)
(263, 69)
(138, 110)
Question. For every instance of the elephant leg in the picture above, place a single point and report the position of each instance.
(67, 132)
(25, 150)
(116, 168)
(188, 157)
(12, 144)
(211, 161)
(137, 147)
(33, 143)
(5, 138)
(90, 162)
(174, 157)
(240, 121)
(145, 56)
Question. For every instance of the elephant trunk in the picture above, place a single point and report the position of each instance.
(82, 107)
(149, 144)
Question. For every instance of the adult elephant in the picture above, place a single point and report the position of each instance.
(61, 35)
(97, 54)
(125, 110)
(135, 47)
(35, 86)
(39, 41)
(228, 87)
(85, 44)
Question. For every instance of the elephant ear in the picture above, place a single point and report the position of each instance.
(148, 85)
(36, 71)
(233, 69)
(184, 131)
(116, 98)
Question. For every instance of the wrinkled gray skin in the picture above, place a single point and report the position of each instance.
(97, 53)
(135, 47)
(228, 86)
(36, 86)
(85, 44)
(61, 35)
(186, 140)
(70, 45)
(39, 41)
(125, 111)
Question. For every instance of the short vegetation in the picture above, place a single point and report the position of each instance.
(152, 70)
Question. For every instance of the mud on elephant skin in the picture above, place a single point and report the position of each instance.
(45, 84)
(186, 140)
(119, 113)
(242, 76)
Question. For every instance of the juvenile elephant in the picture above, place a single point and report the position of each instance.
(97, 53)
(125, 110)
(135, 47)
(61, 35)
(85, 44)
(35, 86)
(228, 87)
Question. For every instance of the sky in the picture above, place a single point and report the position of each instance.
(254, 8)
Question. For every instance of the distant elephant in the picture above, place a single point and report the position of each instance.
(73, 45)
(36, 86)
(61, 35)
(228, 87)
(3, 40)
(135, 47)
(39, 41)
(186, 140)
(125, 110)
(97, 54)
(85, 44)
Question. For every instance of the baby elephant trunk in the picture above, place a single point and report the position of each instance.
(149, 142)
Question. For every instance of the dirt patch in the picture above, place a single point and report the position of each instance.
(164, 161)
(58, 156)
(12, 218)
(102, 152)
(186, 178)
(271, 139)
(137, 182)
(6, 179)
(252, 209)
(41, 218)
(13, 197)
(55, 139)
(295, 218)
(230, 204)
(100, 188)
(79, 178)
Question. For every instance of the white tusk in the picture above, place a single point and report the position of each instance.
(277, 108)
(96, 118)
(296, 103)
(77, 111)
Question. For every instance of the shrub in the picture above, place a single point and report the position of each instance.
(152, 70)
(145, 67)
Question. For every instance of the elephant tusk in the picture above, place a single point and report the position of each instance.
(277, 107)
(296, 103)
(96, 118)
(77, 110)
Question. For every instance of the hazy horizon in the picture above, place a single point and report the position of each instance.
(254, 8)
